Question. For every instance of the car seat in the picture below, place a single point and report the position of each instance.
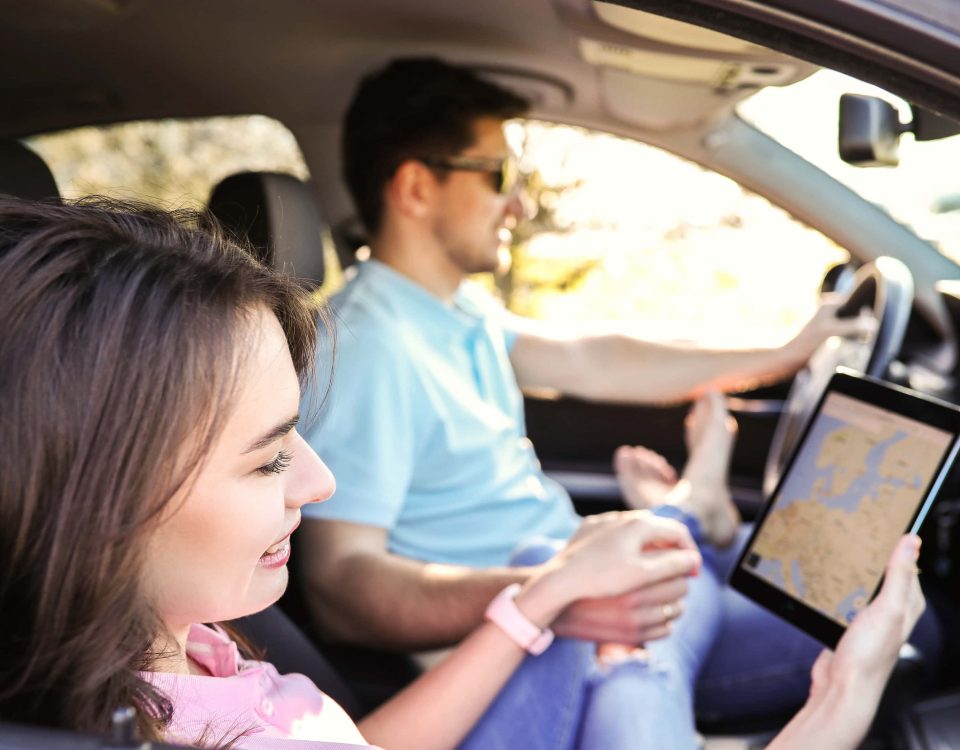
(24, 174)
(278, 215)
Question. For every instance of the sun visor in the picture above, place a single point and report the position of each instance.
(659, 73)
(656, 104)
(709, 71)
(668, 31)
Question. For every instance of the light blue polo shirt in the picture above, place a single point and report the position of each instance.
(423, 426)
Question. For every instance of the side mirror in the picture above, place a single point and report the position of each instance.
(927, 125)
(869, 132)
(870, 129)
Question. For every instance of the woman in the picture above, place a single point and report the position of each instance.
(152, 474)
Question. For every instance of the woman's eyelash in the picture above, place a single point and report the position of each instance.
(278, 464)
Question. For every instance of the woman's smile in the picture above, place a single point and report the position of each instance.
(275, 557)
(278, 554)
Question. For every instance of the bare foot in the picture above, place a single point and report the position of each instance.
(644, 475)
(703, 488)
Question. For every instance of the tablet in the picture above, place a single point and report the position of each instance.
(865, 472)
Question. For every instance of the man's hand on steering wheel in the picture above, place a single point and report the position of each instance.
(826, 322)
(842, 334)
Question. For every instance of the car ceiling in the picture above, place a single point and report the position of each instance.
(78, 62)
(73, 62)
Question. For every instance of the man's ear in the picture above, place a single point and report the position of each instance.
(412, 189)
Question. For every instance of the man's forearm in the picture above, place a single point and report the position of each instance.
(618, 366)
(621, 368)
(387, 601)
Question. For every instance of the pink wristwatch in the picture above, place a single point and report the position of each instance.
(503, 612)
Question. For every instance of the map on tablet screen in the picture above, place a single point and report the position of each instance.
(855, 485)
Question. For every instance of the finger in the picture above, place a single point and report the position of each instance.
(861, 325)
(659, 533)
(914, 609)
(819, 675)
(657, 615)
(900, 596)
(656, 633)
(611, 634)
(602, 632)
(664, 565)
(631, 615)
(901, 573)
(661, 593)
(831, 301)
(670, 611)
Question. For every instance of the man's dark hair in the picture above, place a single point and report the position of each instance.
(410, 109)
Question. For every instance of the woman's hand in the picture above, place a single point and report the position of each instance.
(847, 683)
(621, 578)
(868, 650)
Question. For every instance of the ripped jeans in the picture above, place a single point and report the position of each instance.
(726, 654)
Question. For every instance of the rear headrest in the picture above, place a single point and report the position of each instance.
(23, 174)
(278, 214)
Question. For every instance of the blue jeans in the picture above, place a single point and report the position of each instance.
(564, 700)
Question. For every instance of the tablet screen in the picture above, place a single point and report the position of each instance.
(855, 484)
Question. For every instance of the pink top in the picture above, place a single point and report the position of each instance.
(250, 698)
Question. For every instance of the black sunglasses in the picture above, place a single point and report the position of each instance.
(505, 171)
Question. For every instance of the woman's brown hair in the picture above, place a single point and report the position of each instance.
(121, 331)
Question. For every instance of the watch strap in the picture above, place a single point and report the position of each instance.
(505, 614)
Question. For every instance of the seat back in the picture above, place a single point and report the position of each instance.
(278, 215)
(23, 174)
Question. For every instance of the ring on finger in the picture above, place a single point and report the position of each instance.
(668, 611)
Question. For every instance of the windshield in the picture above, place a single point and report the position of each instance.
(923, 192)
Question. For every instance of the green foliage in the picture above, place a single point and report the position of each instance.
(524, 277)
(168, 162)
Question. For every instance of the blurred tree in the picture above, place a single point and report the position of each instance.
(523, 277)
(168, 162)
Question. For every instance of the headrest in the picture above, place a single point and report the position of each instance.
(23, 174)
(278, 214)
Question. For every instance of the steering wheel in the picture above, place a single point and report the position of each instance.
(883, 287)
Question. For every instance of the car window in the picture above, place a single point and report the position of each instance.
(168, 162)
(922, 192)
(174, 162)
(642, 236)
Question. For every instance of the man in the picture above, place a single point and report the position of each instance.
(439, 488)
